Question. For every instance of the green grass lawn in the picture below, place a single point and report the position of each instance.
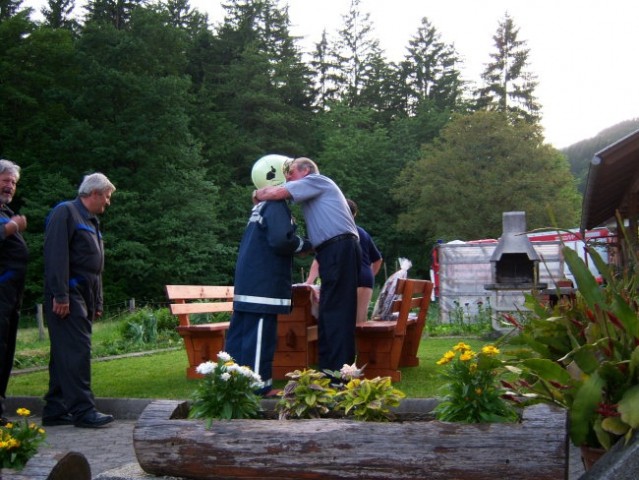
(163, 375)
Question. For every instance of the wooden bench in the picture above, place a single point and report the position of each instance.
(385, 346)
(296, 332)
(204, 341)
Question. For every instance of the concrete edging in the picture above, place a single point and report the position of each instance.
(120, 408)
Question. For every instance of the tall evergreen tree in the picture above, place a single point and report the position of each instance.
(133, 124)
(8, 8)
(430, 71)
(257, 78)
(57, 14)
(509, 87)
(182, 15)
(115, 12)
(430, 88)
(323, 68)
(360, 68)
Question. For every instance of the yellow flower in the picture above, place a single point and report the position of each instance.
(467, 355)
(9, 426)
(461, 346)
(473, 367)
(490, 350)
(448, 356)
(478, 391)
(23, 412)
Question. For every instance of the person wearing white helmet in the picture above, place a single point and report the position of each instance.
(263, 276)
(333, 233)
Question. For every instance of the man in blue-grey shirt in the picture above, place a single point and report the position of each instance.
(333, 233)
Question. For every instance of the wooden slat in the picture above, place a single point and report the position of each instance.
(311, 333)
(204, 327)
(201, 307)
(375, 326)
(193, 292)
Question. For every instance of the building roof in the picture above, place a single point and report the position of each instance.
(613, 178)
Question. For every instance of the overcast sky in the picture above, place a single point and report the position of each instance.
(583, 52)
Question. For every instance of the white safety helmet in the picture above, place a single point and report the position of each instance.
(268, 171)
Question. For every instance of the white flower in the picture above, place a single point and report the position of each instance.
(205, 368)
(224, 357)
(350, 371)
(226, 376)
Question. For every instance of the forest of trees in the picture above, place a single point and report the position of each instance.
(175, 112)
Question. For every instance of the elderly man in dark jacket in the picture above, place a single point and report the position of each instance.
(13, 266)
(73, 264)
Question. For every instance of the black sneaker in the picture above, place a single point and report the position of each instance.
(64, 419)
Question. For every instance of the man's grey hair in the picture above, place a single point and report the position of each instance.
(95, 182)
(7, 166)
(303, 163)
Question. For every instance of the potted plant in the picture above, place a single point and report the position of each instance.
(583, 353)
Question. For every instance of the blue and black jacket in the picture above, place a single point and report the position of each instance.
(264, 266)
(73, 254)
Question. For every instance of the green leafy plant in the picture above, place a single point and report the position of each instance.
(227, 391)
(583, 354)
(313, 394)
(308, 394)
(369, 400)
(473, 393)
(19, 441)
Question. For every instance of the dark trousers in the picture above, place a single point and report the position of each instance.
(11, 291)
(70, 362)
(339, 270)
(251, 340)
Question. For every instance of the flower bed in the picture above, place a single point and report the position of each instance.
(167, 443)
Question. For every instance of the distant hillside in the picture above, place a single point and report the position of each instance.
(580, 154)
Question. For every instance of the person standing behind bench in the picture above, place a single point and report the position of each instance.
(73, 265)
(370, 265)
(333, 233)
(263, 276)
(14, 256)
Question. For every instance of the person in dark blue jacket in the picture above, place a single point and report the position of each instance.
(73, 265)
(263, 276)
(14, 256)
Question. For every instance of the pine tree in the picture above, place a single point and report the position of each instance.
(8, 8)
(57, 14)
(509, 87)
(430, 70)
(115, 12)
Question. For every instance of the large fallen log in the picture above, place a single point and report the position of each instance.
(167, 444)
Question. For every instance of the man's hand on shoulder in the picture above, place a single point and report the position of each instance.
(271, 193)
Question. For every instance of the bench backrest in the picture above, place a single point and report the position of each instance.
(414, 302)
(187, 299)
